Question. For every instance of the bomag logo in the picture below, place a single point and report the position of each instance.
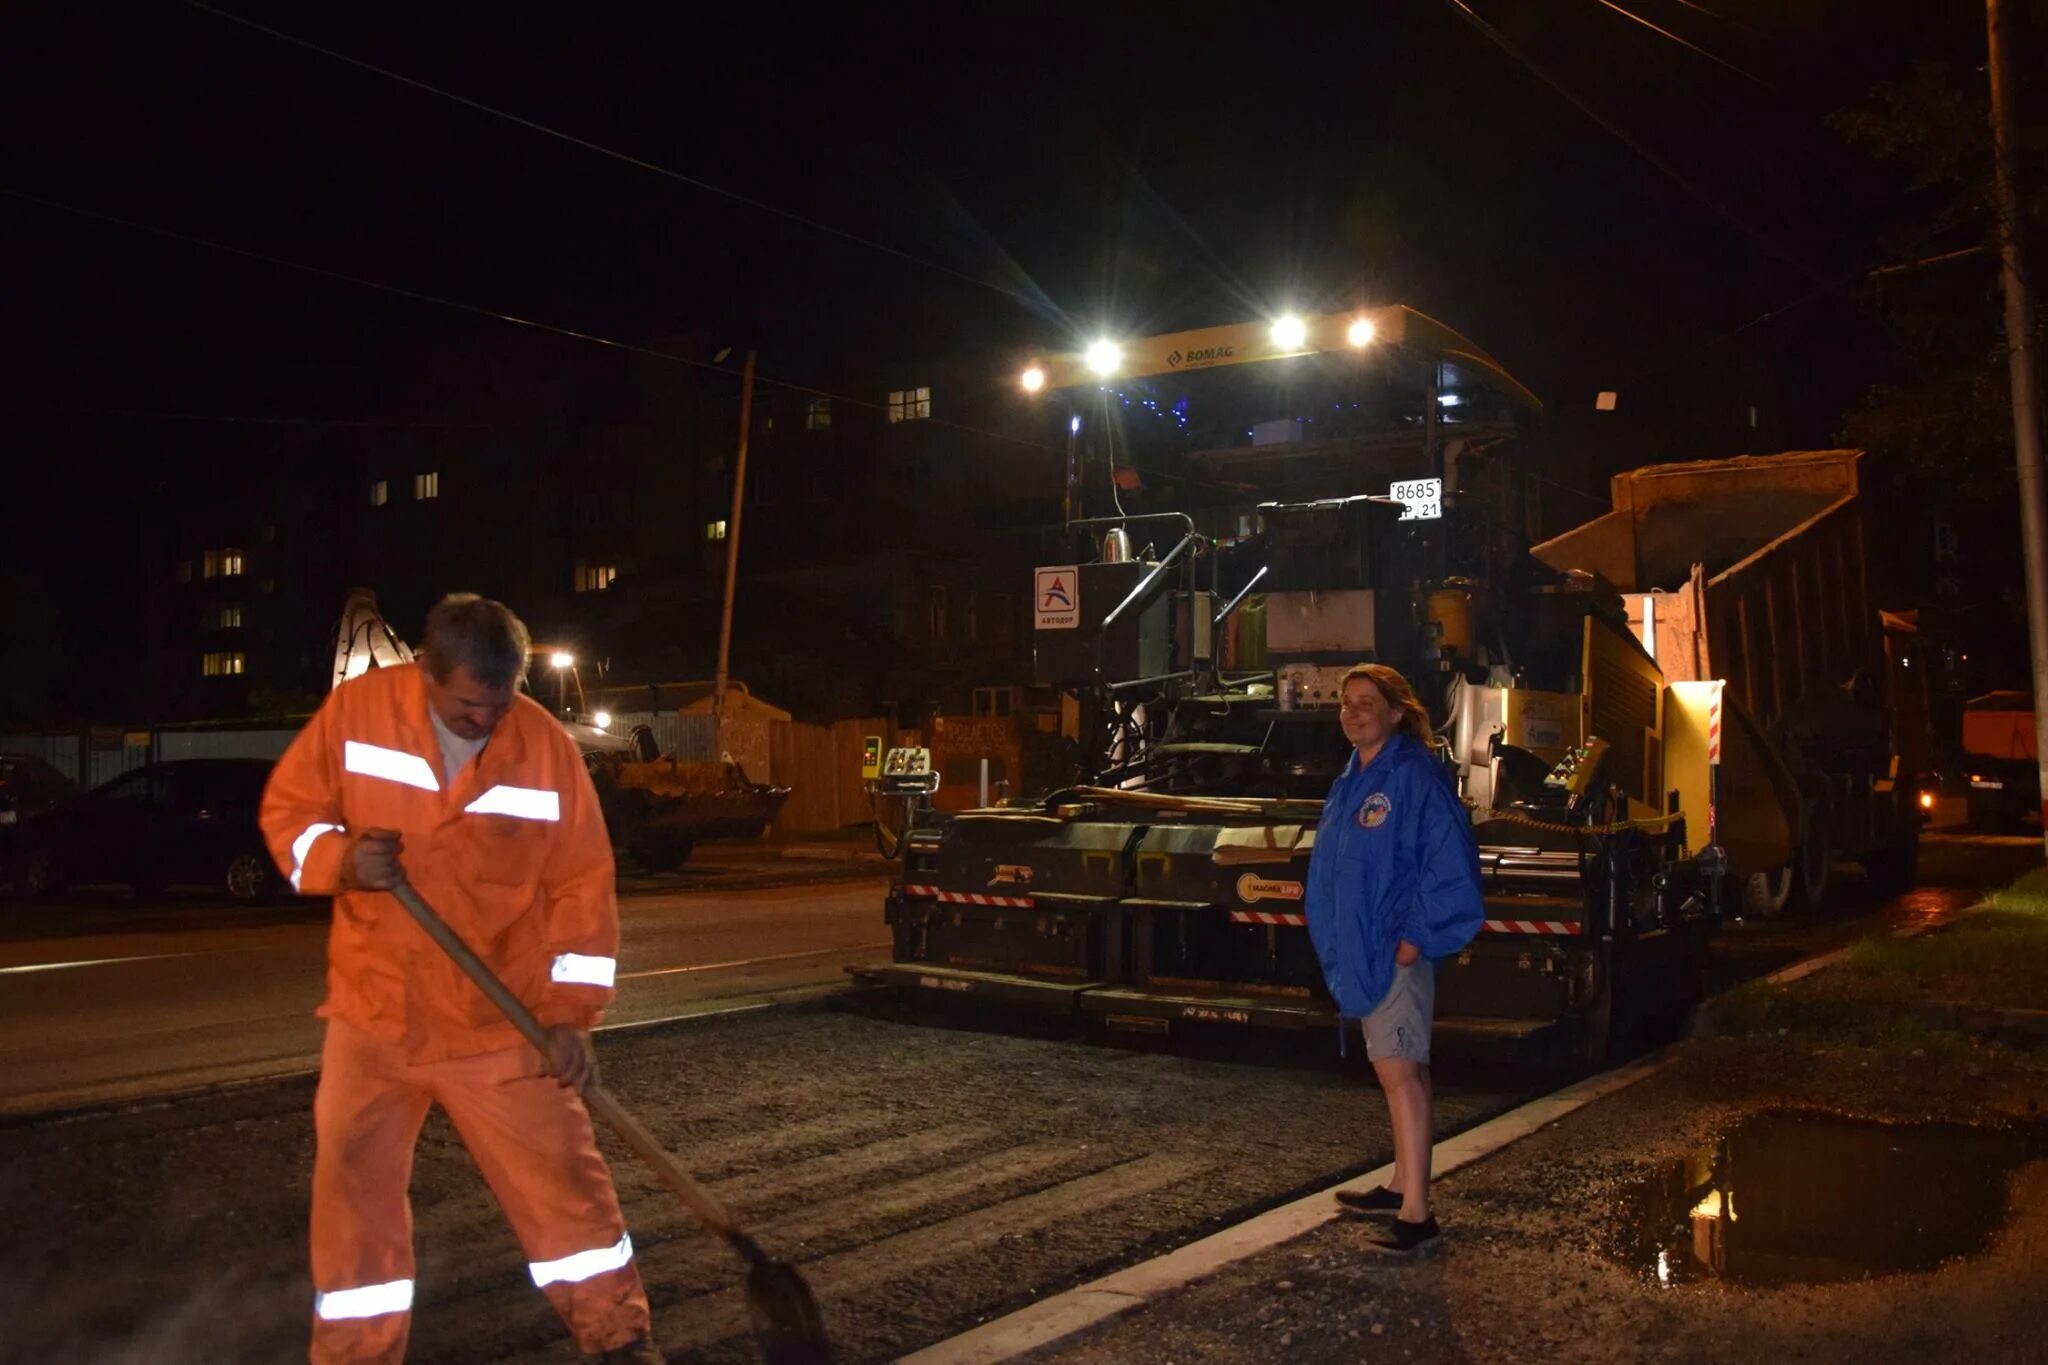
(1251, 889)
(1010, 874)
(1200, 355)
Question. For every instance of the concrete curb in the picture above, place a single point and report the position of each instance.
(1063, 1315)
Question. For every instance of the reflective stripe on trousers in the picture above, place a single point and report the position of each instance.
(368, 1301)
(580, 1267)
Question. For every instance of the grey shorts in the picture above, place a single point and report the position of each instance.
(1399, 1025)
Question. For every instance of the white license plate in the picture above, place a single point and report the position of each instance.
(1985, 784)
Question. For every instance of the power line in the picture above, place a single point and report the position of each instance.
(1622, 136)
(640, 163)
(1689, 45)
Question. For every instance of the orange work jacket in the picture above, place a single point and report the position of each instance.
(514, 856)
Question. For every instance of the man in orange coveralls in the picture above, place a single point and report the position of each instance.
(486, 797)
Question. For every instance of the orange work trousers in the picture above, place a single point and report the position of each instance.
(533, 1143)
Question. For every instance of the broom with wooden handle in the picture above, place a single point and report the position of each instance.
(786, 1320)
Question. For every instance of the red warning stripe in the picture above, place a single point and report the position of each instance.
(1265, 917)
(1532, 926)
(971, 898)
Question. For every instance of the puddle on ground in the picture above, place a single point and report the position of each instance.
(1796, 1198)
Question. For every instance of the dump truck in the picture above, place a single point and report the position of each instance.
(1755, 573)
(1621, 811)
(1999, 750)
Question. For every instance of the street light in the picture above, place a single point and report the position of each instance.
(1361, 333)
(1034, 379)
(563, 661)
(1290, 333)
(1104, 357)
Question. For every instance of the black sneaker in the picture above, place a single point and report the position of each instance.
(1381, 1200)
(1402, 1237)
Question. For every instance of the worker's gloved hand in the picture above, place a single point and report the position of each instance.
(371, 863)
(571, 1060)
(1407, 955)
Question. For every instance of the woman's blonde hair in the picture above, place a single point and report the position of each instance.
(1399, 695)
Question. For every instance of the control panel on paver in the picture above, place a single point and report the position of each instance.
(1574, 772)
(909, 770)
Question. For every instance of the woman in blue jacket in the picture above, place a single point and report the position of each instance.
(1393, 884)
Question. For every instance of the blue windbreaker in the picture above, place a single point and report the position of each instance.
(1394, 859)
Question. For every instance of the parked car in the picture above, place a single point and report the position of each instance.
(191, 822)
(28, 786)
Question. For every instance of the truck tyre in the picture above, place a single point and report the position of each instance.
(1765, 895)
(660, 852)
(1813, 862)
(42, 876)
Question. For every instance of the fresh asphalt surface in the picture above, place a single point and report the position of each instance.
(927, 1170)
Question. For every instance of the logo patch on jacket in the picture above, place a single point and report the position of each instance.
(1375, 811)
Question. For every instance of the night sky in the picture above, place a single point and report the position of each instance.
(1054, 171)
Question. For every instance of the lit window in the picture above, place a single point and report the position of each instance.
(225, 618)
(230, 563)
(714, 530)
(209, 564)
(380, 492)
(818, 414)
(595, 577)
(426, 486)
(223, 664)
(908, 405)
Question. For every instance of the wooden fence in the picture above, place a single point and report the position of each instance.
(820, 764)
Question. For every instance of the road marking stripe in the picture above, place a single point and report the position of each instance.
(105, 961)
(750, 961)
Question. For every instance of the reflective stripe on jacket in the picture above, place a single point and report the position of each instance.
(1394, 859)
(515, 857)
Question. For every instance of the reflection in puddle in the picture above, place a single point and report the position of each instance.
(1789, 1198)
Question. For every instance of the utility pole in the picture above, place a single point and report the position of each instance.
(732, 541)
(2026, 392)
